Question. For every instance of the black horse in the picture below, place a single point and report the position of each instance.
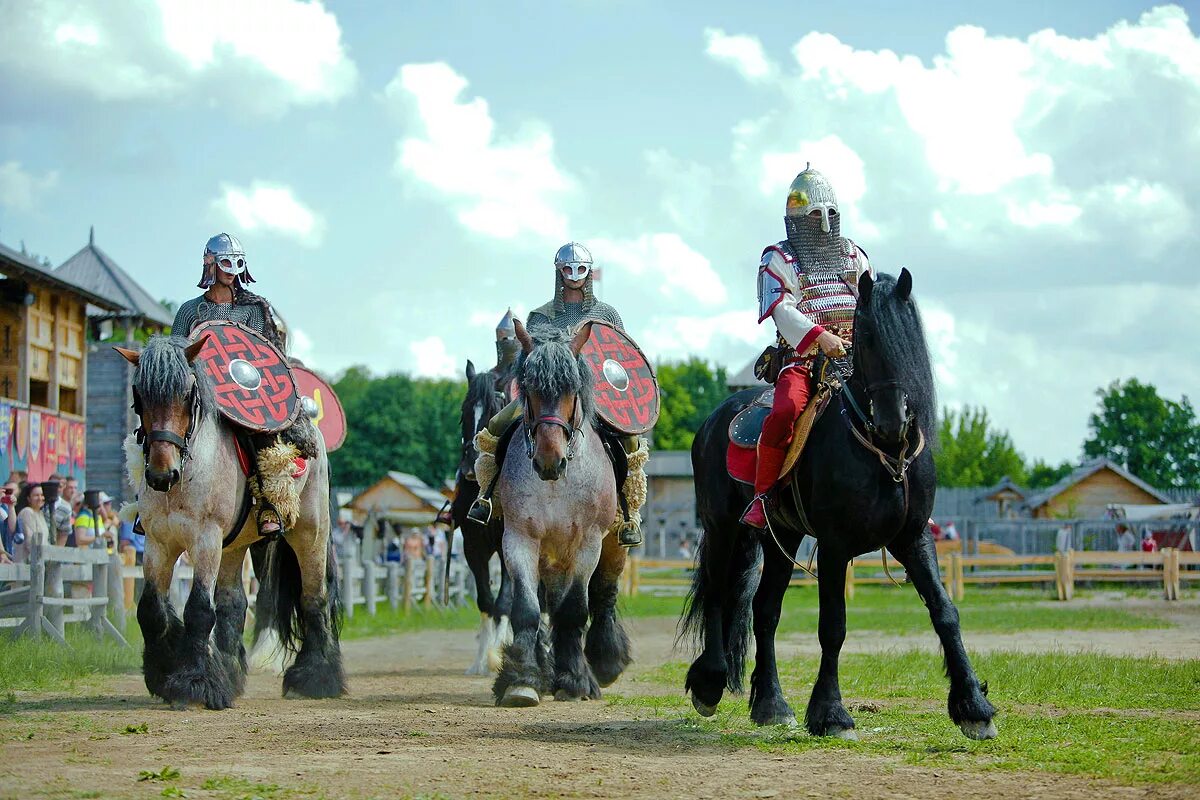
(480, 542)
(856, 489)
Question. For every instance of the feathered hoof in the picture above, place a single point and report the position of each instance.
(847, 734)
(520, 697)
(786, 720)
(979, 731)
(703, 709)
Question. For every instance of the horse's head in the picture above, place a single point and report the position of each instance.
(168, 397)
(480, 405)
(556, 392)
(891, 360)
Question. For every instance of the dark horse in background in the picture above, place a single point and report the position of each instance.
(480, 542)
(855, 490)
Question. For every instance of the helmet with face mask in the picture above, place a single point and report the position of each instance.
(573, 262)
(812, 221)
(224, 252)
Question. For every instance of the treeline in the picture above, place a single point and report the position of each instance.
(412, 424)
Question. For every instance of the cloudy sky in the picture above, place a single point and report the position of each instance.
(400, 175)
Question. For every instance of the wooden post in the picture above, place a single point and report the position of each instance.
(430, 568)
(960, 582)
(349, 559)
(409, 579)
(635, 582)
(369, 589)
(393, 585)
(99, 590)
(54, 588)
(1170, 558)
(37, 588)
(116, 589)
(850, 580)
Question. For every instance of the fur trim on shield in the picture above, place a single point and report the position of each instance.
(275, 464)
(135, 462)
(128, 512)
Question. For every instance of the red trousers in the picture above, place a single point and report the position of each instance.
(791, 397)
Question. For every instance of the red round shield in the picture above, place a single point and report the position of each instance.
(331, 419)
(253, 382)
(626, 389)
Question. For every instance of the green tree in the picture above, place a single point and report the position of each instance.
(971, 453)
(690, 391)
(1042, 474)
(1156, 439)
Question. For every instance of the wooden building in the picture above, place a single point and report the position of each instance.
(131, 310)
(670, 509)
(1006, 496)
(43, 368)
(400, 498)
(1089, 490)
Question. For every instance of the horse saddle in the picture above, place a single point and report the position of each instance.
(741, 457)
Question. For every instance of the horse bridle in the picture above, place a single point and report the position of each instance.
(897, 465)
(146, 438)
(572, 430)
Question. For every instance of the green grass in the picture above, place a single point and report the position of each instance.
(1128, 719)
(387, 622)
(45, 665)
(899, 610)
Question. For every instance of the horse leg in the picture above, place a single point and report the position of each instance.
(478, 553)
(230, 597)
(200, 676)
(523, 673)
(162, 630)
(573, 679)
(607, 648)
(317, 671)
(826, 716)
(968, 704)
(768, 706)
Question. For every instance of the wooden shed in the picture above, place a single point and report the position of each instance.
(400, 498)
(43, 368)
(133, 312)
(670, 509)
(1090, 489)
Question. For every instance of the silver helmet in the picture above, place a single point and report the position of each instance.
(575, 257)
(811, 216)
(224, 252)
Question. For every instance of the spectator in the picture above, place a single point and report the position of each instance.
(33, 525)
(89, 525)
(393, 551)
(1126, 541)
(1149, 545)
(949, 532)
(341, 532)
(8, 517)
(936, 530)
(414, 547)
(61, 513)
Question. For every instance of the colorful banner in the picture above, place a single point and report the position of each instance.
(39, 443)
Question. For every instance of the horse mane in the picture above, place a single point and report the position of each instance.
(480, 389)
(551, 370)
(163, 376)
(901, 340)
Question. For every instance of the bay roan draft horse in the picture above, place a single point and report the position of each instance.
(559, 501)
(480, 542)
(190, 489)
(856, 489)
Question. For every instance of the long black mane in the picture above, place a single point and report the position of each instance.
(552, 371)
(897, 332)
(164, 376)
(480, 391)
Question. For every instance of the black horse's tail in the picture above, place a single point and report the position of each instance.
(728, 563)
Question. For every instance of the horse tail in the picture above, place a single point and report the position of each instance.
(719, 605)
(281, 587)
(333, 583)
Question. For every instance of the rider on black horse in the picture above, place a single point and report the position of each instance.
(807, 284)
(573, 304)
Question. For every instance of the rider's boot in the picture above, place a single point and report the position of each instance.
(770, 461)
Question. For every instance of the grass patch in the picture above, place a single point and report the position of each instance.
(387, 622)
(44, 665)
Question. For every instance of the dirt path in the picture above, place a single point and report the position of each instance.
(415, 726)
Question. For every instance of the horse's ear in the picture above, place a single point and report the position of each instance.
(904, 284)
(193, 349)
(581, 336)
(865, 285)
(470, 370)
(523, 336)
(132, 356)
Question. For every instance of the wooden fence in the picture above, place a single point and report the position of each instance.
(1168, 568)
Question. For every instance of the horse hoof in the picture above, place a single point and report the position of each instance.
(786, 720)
(703, 709)
(848, 734)
(979, 731)
(520, 697)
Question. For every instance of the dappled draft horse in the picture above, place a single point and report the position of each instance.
(480, 542)
(190, 491)
(559, 502)
(856, 489)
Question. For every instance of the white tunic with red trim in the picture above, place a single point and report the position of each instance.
(804, 304)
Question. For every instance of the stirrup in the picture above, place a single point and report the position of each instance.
(267, 515)
(629, 534)
(748, 517)
(481, 510)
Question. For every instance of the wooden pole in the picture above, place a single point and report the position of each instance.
(37, 588)
(850, 580)
(369, 589)
(409, 579)
(54, 588)
(430, 568)
(393, 585)
(349, 561)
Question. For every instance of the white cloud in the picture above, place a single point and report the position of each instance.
(665, 260)
(20, 190)
(677, 337)
(500, 186)
(273, 208)
(834, 159)
(263, 55)
(432, 359)
(300, 344)
(743, 53)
